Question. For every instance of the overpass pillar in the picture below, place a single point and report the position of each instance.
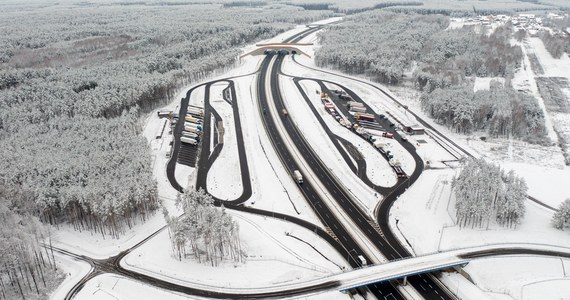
(405, 281)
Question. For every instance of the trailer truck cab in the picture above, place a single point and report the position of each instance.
(362, 261)
(298, 176)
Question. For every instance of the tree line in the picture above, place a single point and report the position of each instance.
(498, 111)
(27, 269)
(555, 44)
(485, 193)
(203, 231)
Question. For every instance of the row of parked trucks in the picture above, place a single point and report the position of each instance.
(331, 109)
(192, 125)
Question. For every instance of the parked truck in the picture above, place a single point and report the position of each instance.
(165, 114)
(354, 104)
(193, 120)
(379, 145)
(196, 111)
(190, 134)
(188, 140)
(298, 176)
(191, 129)
(365, 117)
(358, 109)
(194, 125)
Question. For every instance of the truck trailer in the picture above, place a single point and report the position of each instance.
(192, 129)
(189, 124)
(358, 109)
(188, 140)
(298, 176)
(365, 117)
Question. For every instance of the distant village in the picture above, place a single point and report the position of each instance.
(531, 23)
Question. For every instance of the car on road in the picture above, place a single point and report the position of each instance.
(284, 112)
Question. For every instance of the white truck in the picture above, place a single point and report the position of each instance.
(192, 129)
(192, 125)
(363, 262)
(358, 109)
(379, 144)
(188, 140)
(298, 176)
(195, 111)
(192, 135)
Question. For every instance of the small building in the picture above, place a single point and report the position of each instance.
(414, 129)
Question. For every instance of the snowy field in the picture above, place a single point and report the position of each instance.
(224, 178)
(276, 252)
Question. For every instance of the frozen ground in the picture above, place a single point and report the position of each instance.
(273, 256)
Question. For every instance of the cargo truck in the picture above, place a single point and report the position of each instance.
(192, 129)
(193, 125)
(188, 140)
(354, 104)
(298, 176)
(193, 120)
(363, 262)
(365, 117)
(195, 111)
(358, 109)
(190, 134)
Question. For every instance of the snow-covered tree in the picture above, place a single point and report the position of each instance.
(206, 232)
(561, 218)
(484, 192)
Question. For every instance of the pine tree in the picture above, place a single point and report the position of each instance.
(561, 219)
